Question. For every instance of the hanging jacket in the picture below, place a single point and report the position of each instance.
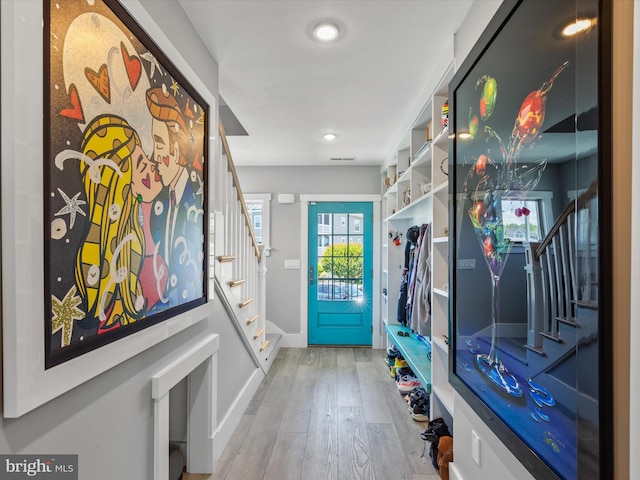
(402, 298)
(421, 299)
(413, 237)
(414, 264)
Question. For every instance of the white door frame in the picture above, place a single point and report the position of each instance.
(376, 338)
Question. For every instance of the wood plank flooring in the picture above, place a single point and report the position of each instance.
(326, 413)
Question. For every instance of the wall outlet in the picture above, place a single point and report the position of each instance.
(466, 264)
(475, 447)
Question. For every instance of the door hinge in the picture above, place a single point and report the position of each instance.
(372, 218)
(372, 273)
(371, 328)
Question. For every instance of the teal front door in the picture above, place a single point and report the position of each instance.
(340, 273)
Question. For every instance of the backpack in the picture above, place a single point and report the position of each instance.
(445, 455)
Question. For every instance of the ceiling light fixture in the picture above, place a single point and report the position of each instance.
(577, 26)
(329, 136)
(464, 135)
(326, 31)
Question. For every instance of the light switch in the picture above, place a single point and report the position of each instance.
(466, 263)
(292, 264)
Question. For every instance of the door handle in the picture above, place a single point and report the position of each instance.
(312, 277)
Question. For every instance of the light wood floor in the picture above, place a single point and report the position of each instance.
(326, 413)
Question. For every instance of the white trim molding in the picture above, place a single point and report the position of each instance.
(198, 362)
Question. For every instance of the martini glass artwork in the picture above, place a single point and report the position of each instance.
(486, 217)
(490, 180)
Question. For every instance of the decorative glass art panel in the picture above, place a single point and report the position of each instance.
(529, 188)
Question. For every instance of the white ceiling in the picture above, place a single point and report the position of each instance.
(287, 89)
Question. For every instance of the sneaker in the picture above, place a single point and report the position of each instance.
(417, 395)
(436, 429)
(421, 403)
(401, 372)
(419, 415)
(400, 362)
(419, 392)
(407, 383)
(420, 409)
(392, 354)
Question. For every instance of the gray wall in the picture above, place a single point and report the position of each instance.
(108, 421)
(283, 286)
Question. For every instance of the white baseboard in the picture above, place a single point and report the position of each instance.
(454, 474)
(231, 420)
(294, 340)
(299, 340)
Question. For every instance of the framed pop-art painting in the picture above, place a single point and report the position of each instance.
(530, 191)
(125, 182)
(121, 256)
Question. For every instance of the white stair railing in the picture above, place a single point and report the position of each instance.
(240, 268)
(555, 271)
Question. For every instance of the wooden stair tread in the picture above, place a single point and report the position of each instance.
(245, 302)
(258, 334)
(226, 258)
(236, 283)
(264, 345)
(253, 319)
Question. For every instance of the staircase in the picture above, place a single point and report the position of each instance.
(562, 273)
(562, 291)
(240, 266)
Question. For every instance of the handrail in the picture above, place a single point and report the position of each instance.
(243, 205)
(587, 195)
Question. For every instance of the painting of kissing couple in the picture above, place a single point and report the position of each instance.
(125, 181)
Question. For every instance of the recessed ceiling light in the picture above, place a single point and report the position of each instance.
(577, 26)
(326, 31)
(464, 135)
(329, 136)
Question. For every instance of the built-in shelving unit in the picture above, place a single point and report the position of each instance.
(416, 191)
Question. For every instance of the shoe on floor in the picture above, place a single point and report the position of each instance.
(407, 383)
(417, 394)
(392, 354)
(400, 363)
(436, 429)
(404, 371)
(420, 410)
(419, 417)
